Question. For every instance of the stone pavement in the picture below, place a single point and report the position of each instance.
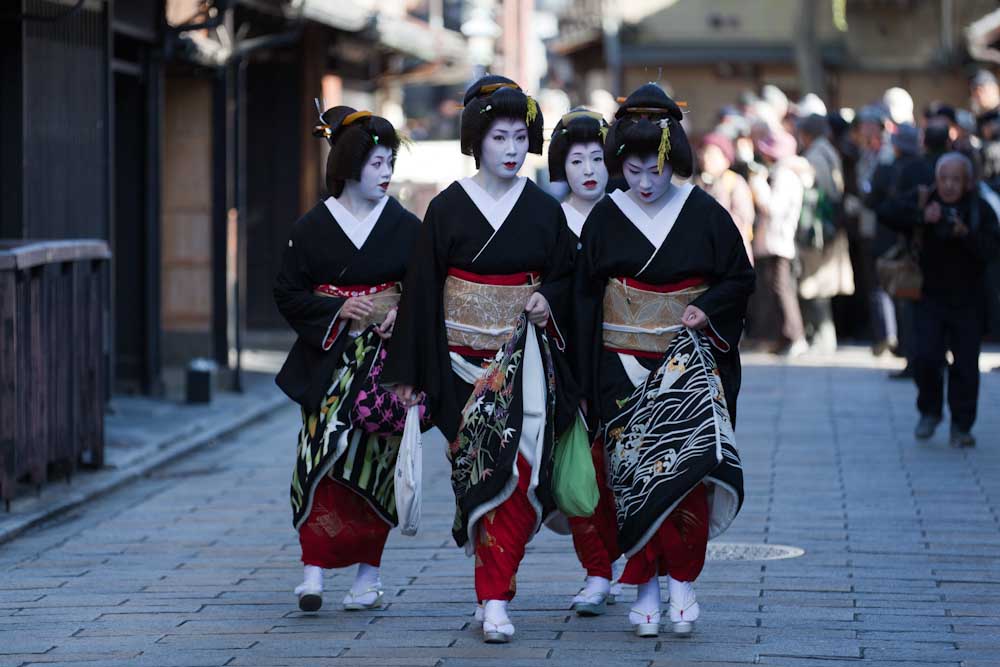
(141, 434)
(195, 565)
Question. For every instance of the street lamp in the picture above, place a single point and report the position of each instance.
(482, 33)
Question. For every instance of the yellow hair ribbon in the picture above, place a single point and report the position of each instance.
(664, 150)
(357, 115)
(532, 110)
(603, 132)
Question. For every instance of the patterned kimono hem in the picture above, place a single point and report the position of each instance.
(511, 485)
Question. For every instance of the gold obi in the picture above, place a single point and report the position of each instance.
(637, 316)
(480, 311)
(384, 298)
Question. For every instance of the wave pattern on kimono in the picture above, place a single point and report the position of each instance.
(484, 455)
(363, 458)
(673, 433)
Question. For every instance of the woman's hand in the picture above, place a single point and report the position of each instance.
(932, 214)
(537, 309)
(356, 308)
(384, 330)
(694, 318)
(405, 393)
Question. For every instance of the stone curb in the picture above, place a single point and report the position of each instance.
(158, 456)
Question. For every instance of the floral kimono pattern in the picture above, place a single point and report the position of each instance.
(354, 434)
(485, 452)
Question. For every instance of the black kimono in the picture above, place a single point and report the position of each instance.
(327, 367)
(640, 399)
(532, 237)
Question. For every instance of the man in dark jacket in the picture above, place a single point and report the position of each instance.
(959, 235)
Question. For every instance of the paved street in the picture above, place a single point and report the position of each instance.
(196, 564)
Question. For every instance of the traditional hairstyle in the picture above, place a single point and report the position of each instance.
(492, 98)
(579, 126)
(649, 123)
(352, 134)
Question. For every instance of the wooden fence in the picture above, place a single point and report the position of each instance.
(53, 358)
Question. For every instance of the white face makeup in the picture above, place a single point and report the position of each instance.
(504, 148)
(646, 184)
(586, 172)
(376, 174)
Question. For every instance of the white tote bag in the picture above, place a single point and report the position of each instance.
(409, 468)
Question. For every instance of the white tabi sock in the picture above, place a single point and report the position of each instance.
(366, 583)
(647, 597)
(312, 579)
(595, 588)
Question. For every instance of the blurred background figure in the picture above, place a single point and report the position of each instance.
(715, 159)
(778, 193)
(824, 254)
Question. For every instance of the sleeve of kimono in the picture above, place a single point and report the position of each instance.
(314, 318)
(725, 302)
(588, 296)
(557, 280)
(418, 349)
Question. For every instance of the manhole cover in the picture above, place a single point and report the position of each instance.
(741, 551)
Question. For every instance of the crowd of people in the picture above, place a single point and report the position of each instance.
(872, 207)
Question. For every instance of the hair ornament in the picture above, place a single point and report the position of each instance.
(603, 131)
(488, 107)
(620, 149)
(532, 110)
(664, 150)
(323, 130)
(356, 116)
(405, 140)
(494, 87)
(375, 139)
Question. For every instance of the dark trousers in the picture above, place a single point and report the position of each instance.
(939, 327)
(779, 302)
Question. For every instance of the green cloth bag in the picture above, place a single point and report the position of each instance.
(574, 482)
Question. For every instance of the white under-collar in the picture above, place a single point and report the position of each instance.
(356, 230)
(494, 210)
(574, 219)
(657, 228)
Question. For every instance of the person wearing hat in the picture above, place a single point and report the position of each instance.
(715, 159)
(662, 282)
(479, 331)
(338, 287)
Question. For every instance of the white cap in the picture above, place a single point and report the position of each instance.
(900, 105)
(811, 104)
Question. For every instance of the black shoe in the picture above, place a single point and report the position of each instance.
(926, 427)
(961, 439)
(905, 374)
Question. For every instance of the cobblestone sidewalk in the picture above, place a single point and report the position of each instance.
(195, 565)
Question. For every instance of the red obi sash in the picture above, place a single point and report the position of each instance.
(382, 305)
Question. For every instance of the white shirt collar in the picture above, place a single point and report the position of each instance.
(494, 210)
(657, 228)
(574, 219)
(356, 230)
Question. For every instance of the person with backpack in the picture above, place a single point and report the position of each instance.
(824, 253)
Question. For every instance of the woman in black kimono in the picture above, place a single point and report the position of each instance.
(478, 332)
(338, 288)
(576, 156)
(662, 282)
